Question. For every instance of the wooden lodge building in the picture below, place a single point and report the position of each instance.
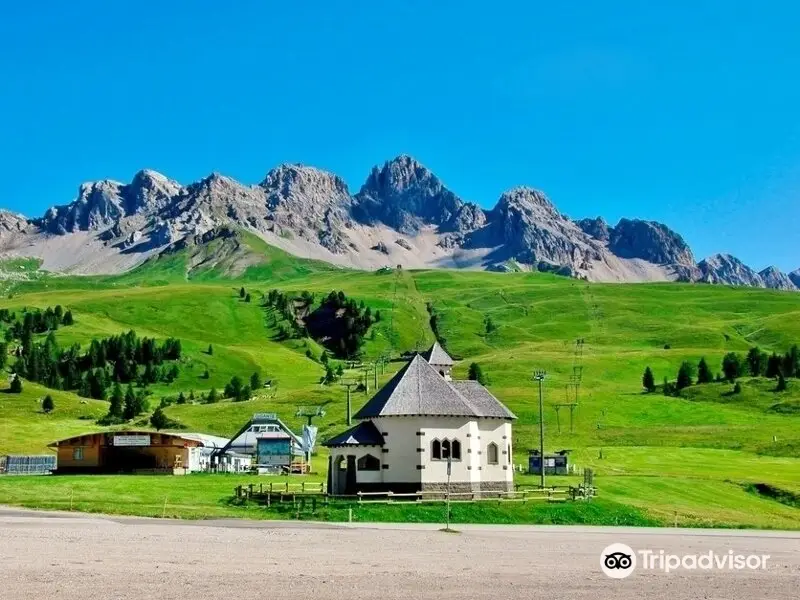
(145, 451)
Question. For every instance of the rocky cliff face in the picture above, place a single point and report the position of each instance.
(650, 241)
(729, 270)
(310, 201)
(794, 276)
(101, 205)
(530, 229)
(596, 228)
(12, 223)
(774, 279)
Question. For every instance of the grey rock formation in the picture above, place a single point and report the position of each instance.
(310, 201)
(101, 205)
(530, 229)
(596, 228)
(727, 269)
(405, 195)
(795, 277)
(402, 243)
(650, 241)
(774, 279)
(381, 247)
(12, 223)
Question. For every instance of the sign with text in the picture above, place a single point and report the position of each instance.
(131, 440)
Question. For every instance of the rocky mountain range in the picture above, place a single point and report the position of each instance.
(402, 214)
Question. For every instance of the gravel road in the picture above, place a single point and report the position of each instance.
(47, 556)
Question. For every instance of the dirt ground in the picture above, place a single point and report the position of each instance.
(64, 556)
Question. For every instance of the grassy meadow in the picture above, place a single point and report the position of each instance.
(689, 458)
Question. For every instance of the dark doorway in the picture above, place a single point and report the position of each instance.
(350, 489)
(125, 459)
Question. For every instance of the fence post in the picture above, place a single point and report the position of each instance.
(389, 495)
(164, 512)
(71, 495)
(303, 487)
(270, 487)
(359, 497)
(287, 486)
(349, 515)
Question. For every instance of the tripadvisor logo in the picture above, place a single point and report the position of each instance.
(619, 561)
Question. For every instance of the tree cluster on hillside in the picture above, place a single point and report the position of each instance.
(33, 322)
(341, 324)
(124, 406)
(123, 359)
(287, 308)
(756, 364)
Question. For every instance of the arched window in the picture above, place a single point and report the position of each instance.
(340, 463)
(436, 450)
(445, 449)
(491, 453)
(455, 449)
(368, 463)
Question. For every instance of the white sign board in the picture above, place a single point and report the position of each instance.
(131, 440)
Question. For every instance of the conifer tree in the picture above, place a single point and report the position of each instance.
(703, 372)
(648, 380)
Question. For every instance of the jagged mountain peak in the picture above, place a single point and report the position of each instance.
(727, 269)
(597, 228)
(775, 279)
(287, 177)
(794, 276)
(527, 198)
(405, 195)
(651, 241)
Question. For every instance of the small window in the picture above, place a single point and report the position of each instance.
(445, 449)
(368, 463)
(77, 454)
(455, 449)
(491, 454)
(436, 450)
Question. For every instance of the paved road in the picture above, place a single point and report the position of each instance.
(64, 556)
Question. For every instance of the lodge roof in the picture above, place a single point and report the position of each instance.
(418, 389)
(363, 434)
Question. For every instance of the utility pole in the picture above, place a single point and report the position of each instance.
(375, 368)
(349, 412)
(539, 376)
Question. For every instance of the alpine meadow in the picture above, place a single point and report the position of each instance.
(721, 453)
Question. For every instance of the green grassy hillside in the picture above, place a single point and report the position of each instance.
(693, 454)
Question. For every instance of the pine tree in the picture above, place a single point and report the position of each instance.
(68, 319)
(242, 293)
(255, 382)
(116, 407)
(648, 380)
(181, 398)
(684, 379)
(16, 384)
(339, 370)
(476, 373)
(703, 372)
(732, 366)
(774, 366)
(323, 358)
(781, 387)
(210, 350)
(159, 420)
(212, 396)
(48, 405)
(129, 404)
(3, 355)
(756, 361)
(247, 298)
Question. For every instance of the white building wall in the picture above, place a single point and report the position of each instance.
(499, 432)
(447, 428)
(401, 442)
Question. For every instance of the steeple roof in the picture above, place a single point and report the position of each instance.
(437, 356)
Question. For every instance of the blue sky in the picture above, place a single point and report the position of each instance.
(682, 112)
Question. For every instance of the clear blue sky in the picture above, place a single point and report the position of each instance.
(682, 112)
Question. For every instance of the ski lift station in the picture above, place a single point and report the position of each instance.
(272, 446)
